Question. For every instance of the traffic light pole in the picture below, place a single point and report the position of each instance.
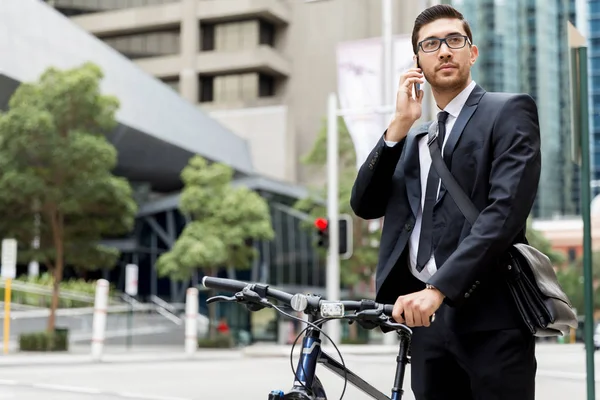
(333, 257)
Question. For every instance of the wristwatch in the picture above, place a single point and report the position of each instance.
(430, 286)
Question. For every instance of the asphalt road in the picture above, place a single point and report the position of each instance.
(166, 374)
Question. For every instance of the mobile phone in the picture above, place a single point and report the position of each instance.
(417, 85)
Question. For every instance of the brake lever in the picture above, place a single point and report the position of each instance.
(368, 319)
(251, 299)
(217, 299)
(386, 322)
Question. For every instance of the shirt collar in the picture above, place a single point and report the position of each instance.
(455, 106)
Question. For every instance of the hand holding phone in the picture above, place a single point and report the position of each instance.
(409, 99)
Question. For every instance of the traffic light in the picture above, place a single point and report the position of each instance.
(345, 232)
(346, 236)
(322, 225)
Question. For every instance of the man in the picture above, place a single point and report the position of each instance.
(431, 259)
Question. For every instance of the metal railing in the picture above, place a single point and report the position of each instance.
(33, 288)
(167, 310)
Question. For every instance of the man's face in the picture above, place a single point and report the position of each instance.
(446, 68)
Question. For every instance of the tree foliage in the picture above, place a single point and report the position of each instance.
(223, 221)
(361, 266)
(56, 163)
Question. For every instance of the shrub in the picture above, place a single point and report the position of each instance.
(220, 341)
(45, 341)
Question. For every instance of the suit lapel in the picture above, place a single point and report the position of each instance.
(459, 126)
(412, 169)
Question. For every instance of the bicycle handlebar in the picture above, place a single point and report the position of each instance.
(264, 291)
(231, 285)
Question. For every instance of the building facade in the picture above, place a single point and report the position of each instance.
(157, 133)
(591, 27)
(523, 48)
(262, 68)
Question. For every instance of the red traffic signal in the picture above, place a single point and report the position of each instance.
(345, 245)
(321, 223)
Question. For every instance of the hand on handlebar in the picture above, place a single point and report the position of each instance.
(417, 309)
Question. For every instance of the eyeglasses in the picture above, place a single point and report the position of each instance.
(454, 42)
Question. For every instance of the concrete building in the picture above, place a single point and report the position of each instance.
(263, 68)
(158, 131)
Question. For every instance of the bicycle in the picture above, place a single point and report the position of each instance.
(367, 313)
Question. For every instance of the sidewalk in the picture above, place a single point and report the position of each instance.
(81, 354)
(137, 354)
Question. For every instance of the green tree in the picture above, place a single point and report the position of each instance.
(223, 222)
(56, 164)
(361, 266)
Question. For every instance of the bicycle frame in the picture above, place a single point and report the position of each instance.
(312, 355)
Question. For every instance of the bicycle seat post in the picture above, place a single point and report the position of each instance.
(402, 360)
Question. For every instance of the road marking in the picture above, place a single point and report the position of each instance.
(564, 375)
(86, 390)
(66, 388)
(138, 396)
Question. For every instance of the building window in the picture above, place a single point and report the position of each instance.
(232, 88)
(237, 35)
(207, 84)
(266, 85)
(207, 37)
(267, 33)
(146, 44)
(78, 7)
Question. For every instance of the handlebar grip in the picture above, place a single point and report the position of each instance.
(387, 309)
(228, 285)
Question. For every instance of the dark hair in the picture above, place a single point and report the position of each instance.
(434, 13)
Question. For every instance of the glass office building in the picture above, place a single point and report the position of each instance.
(523, 48)
(593, 34)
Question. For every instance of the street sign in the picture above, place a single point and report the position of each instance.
(9, 259)
(131, 279)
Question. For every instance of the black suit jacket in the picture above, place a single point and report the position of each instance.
(493, 151)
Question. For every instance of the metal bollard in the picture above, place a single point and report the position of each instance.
(191, 321)
(99, 321)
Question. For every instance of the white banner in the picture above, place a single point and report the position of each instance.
(360, 86)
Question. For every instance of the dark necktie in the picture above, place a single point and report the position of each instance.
(426, 237)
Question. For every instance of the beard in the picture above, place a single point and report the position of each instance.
(457, 80)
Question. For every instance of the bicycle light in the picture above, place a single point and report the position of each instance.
(299, 302)
(332, 309)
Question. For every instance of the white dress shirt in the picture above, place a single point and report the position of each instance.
(453, 109)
